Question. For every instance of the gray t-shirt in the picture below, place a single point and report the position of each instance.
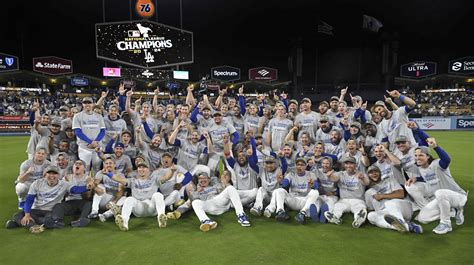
(217, 132)
(299, 185)
(143, 189)
(167, 187)
(245, 177)
(350, 187)
(279, 128)
(37, 172)
(72, 180)
(189, 153)
(308, 123)
(90, 124)
(47, 196)
(111, 186)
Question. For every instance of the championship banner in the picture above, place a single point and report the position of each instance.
(225, 73)
(263, 74)
(462, 66)
(149, 74)
(8, 63)
(433, 123)
(52, 65)
(143, 44)
(418, 69)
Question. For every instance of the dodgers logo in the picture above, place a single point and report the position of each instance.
(9, 61)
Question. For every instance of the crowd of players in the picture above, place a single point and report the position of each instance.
(268, 155)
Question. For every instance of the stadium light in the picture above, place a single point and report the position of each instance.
(104, 83)
(53, 80)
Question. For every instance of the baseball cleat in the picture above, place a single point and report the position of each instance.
(93, 215)
(460, 216)
(11, 224)
(301, 218)
(207, 225)
(174, 215)
(81, 222)
(324, 208)
(179, 203)
(243, 220)
(415, 228)
(256, 211)
(102, 218)
(332, 218)
(360, 219)
(282, 216)
(442, 229)
(267, 213)
(313, 213)
(398, 224)
(116, 210)
(121, 223)
(162, 220)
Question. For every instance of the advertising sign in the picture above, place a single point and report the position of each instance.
(52, 65)
(462, 66)
(143, 44)
(151, 74)
(79, 81)
(263, 74)
(465, 123)
(418, 69)
(8, 63)
(182, 75)
(225, 73)
(113, 72)
(433, 123)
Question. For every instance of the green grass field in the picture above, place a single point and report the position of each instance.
(265, 242)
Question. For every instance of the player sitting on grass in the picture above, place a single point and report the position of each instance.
(215, 199)
(303, 192)
(438, 184)
(392, 211)
(351, 187)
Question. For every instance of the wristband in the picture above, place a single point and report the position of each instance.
(109, 174)
(402, 97)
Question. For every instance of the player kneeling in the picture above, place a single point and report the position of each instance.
(351, 186)
(145, 200)
(215, 199)
(391, 210)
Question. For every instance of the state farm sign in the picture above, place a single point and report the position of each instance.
(263, 74)
(52, 65)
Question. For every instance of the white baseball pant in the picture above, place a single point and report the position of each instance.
(420, 194)
(88, 155)
(219, 204)
(296, 203)
(263, 196)
(247, 196)
(329, 200)
(401, 209)
(348, 205)
(150, 207)
(100, 201)
(440, 207)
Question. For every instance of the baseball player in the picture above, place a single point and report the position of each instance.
(307, 120)
(303, 191)
(30, 170)
(123, 163)
(151, 151)
(89, 128)
(386, 162)
(387, 198)
(108, 192)
(279, 128)
(215, 200)
(145, 200)
(445, 193)
(250, 117)
(114, 125)
(327, 192)
(351, 187)
(43, 195)
(217, 131)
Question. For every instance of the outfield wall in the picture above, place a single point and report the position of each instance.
(445, 123)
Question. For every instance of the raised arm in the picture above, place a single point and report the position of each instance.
(172, 139)
(101, 100)
(409, 103)
(190, 100)
(128, 102)
(445, 160)
(154, 102)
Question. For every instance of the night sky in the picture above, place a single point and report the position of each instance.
(249, 33)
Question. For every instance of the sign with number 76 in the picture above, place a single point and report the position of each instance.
(145, 8)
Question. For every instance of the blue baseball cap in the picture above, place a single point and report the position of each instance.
(119, 145)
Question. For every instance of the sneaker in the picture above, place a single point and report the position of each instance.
(11, 224)
(415, 228)
(324, 208)
(442, 229)
(332, 218)
(242, 219)
(93, 215)
(313, 213)
(174, 215)
(256, 211)
(207, 225)
(282, 216)
(267, 213)
(81, 222)
(301, 218)
(102, 218)
(37, 229)
(120, 223)
(398, 224)
(162, 220)
(460, 216)
(116, 210)
(360, 219)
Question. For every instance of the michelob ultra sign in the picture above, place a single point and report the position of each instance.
(418, 69)
(143, 44)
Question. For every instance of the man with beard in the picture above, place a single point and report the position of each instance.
(278, 128)
(63, 147)
(394, 123)
(114, 125)
(202, 120)
(327, 192)
(153, 151)
(51, 136)
(123, 163)
(337, 145)
(372, 139)
(325, 128)
(307, 120)
(217, 132)
(30, 170)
